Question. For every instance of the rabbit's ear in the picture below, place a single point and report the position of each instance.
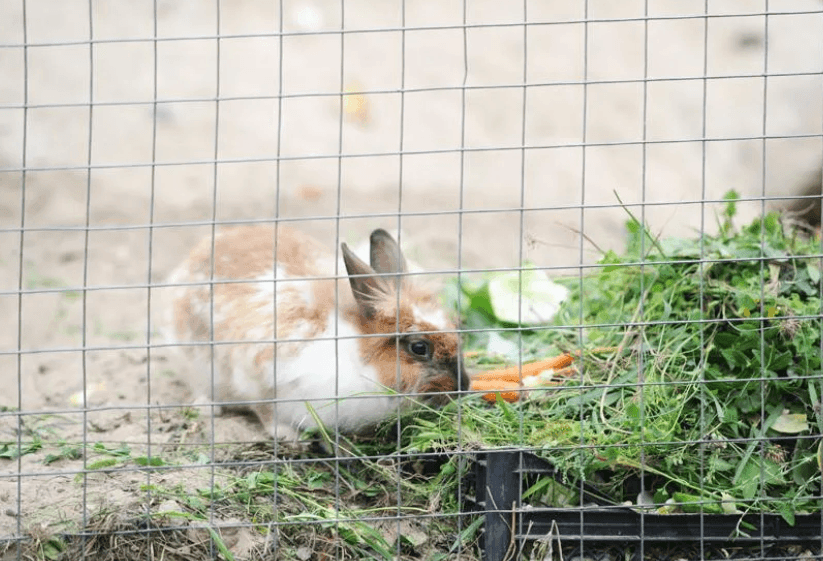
(386, 256)
(366, 286)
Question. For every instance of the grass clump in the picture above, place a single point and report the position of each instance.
(711, 401)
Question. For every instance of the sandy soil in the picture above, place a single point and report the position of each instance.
(490, 205)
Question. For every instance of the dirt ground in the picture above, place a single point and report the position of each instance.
(469, 195)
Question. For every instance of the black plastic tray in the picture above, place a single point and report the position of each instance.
(498, 484)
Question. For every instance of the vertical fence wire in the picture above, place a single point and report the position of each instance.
(212, 261)
(701, 269)
(762, 438)
(20, 274)
(399, 226)
(272, 527)
(581, 333)
(461, 178)
(819, 217)
(641, 371)
(521, 240)
(84, 321)
(150, 254)
(338, 477)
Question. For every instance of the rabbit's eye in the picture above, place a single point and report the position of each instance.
(419, 348)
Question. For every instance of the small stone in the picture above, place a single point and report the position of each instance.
(168, 506)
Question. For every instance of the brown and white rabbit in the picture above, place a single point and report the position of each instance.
(348, 359)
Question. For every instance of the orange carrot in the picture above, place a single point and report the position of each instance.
(507, 390)
(514, 373)
(517, 373)
(507, 380)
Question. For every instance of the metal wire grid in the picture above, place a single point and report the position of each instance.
(400, 152)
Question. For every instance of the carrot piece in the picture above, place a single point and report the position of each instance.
(515, 373)
(493, 385)
(507, 390)
(510, 397)
(506, 381)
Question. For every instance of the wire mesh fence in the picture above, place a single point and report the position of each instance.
(321, 279)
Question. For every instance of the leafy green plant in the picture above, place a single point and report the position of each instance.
(713, 398)
(10, 450)
(65, 451)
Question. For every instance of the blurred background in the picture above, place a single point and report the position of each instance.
(236, 113)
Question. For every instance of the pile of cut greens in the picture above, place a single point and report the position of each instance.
(712, 400)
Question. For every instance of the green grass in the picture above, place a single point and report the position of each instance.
(714, 395)
(366, 503)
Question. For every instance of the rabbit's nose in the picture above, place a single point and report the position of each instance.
(463, 381)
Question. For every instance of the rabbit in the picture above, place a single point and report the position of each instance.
(409, 344)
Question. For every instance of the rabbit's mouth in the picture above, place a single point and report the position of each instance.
(446, 382)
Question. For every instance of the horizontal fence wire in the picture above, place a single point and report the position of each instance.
(464, 26)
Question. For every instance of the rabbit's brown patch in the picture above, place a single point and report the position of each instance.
(445, 345)
(246, 252)
(245, 307)
(439, 387)
(383, 353)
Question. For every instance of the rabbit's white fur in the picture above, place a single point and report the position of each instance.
(320, 356)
